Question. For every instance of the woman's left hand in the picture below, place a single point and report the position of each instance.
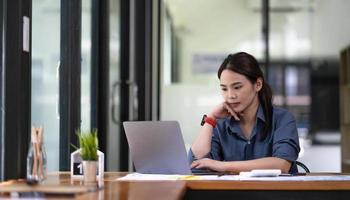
(209, 164)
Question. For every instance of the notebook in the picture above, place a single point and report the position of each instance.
(157, 147)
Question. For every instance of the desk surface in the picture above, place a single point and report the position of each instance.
(177, 189)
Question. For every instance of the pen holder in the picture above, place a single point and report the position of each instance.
(36, 158)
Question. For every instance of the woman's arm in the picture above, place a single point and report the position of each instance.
(202, 144)
(261, 163)
(238, 166)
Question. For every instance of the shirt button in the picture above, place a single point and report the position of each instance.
(248, 142)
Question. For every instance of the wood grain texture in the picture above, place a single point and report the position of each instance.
(61, 183)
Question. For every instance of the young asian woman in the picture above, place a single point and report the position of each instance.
(246, 131)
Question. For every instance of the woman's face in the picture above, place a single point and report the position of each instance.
(238, 91)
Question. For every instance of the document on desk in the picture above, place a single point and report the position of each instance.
(162, 177)
(292, 178)
(148, 177)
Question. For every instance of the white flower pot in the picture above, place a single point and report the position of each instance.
(89, 170)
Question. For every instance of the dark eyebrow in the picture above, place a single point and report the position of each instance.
(232, 84)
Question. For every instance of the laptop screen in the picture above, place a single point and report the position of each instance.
(157, 147)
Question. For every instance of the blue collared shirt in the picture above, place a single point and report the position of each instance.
(230, 144)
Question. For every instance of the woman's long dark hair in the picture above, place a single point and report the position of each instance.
(245, 64)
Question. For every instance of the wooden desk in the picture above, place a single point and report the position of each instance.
(308, 190)
(203, 189)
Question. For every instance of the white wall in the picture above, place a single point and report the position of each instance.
(330, 27)
(187, 104)
(216, 27)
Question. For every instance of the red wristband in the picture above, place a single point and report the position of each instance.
(208, 120)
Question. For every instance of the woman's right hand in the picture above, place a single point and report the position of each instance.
(223, 110)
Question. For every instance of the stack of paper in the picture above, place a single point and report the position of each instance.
(241, 177)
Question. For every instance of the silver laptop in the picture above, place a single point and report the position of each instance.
(157, 147)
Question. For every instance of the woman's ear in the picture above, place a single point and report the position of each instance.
(258, 84)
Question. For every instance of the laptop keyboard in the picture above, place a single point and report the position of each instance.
(196, 171)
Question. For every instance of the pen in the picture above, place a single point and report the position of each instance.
(226, 173)
(221, 174)
(294, 174)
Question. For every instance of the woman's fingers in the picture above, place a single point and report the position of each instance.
(197, 164)
(231, 111)
(194, 164)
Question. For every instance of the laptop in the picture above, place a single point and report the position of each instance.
(157, 147)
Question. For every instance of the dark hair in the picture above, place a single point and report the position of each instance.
(245, 64)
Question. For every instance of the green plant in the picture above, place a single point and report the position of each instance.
(88, 143)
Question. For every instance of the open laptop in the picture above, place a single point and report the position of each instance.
(157, 147)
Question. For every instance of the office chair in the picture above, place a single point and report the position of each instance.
(302, 165)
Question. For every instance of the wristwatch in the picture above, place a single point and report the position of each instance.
(208, 120)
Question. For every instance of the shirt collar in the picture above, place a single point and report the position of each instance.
(260, 114)
(233, 124)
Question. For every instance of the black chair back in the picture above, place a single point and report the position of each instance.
(302, 165)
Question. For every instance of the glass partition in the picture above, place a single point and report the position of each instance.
(86, 65)
(45, 63)
(114, 81)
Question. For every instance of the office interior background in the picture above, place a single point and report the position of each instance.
(97, 63)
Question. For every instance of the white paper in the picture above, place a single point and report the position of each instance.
(291, 178)
(149, 177)
(161, 177)
(261, 173)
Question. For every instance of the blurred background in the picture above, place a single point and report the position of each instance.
(305, 40)
(297, 43)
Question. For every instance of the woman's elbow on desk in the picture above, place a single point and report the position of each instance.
(285, 166)
(280, 163)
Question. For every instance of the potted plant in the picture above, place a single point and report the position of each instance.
(88, 143)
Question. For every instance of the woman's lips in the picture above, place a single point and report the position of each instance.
(233, 105)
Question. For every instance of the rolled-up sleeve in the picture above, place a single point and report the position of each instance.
(191, 157)
(216, 151)
(285, 139)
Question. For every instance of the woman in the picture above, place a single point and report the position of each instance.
(246, 131)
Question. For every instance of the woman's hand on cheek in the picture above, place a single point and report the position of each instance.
(208, 164)
(220, 111)
(231, 111)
